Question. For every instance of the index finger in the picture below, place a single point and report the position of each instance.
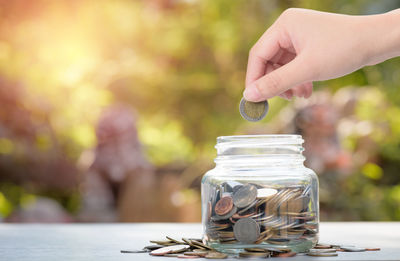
(262, 51)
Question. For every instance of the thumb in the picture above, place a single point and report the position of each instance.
(278, 81)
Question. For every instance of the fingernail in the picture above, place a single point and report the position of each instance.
(251, 93)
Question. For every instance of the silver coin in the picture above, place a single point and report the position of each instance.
(152, 247)
(246, 230)
(353, 249)
(245, 196)
(169, 250)
(253, 111)
(133, 251)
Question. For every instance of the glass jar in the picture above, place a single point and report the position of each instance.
(260, 194)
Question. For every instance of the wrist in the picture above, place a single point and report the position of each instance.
(382, 37)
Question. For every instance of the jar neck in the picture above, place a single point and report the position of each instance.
(260, 151)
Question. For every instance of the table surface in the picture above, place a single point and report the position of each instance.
(104, 241)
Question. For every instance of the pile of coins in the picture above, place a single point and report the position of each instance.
(255, 214)
(194, 248)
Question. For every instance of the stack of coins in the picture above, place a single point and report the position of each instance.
(255, 214)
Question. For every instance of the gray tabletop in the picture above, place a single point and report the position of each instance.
(104, 241)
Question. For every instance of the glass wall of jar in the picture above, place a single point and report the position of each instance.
(260, 194)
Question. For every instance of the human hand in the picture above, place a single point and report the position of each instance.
(303, 46)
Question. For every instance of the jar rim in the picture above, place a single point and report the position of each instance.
(283, 139)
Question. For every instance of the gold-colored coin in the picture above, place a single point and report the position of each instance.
(253, 111)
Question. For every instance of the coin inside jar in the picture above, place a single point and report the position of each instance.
(266, 192)
(246, 230)
(253, 111)
(245, 196)
(224, 206)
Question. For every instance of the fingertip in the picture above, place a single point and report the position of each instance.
(251, 93)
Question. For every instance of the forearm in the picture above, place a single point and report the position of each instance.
(382, 37)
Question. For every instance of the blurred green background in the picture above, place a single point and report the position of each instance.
(96, 93)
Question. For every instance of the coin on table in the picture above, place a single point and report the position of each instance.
(216, 255)
(197, 253)
(198, 243)
(224, 206)
(152, 247)
(245, 196)
(171, 255)
(372, 249)
(162, 242)
(253, 111)
(133, 251)
(169, 250)
(174, 240)
(353, 249)
(246, 230)
(266, 192)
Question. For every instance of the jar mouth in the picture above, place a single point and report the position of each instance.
(259, 140)
(260, 149)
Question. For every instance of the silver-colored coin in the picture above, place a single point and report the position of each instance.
(245, 196)
(266, 192)
(133, 251)
(353, 249)
(253, 111)
(246, 230)
(243, 210)
(169, 250)
(152, 247)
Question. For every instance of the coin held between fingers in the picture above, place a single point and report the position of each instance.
(253, 111)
